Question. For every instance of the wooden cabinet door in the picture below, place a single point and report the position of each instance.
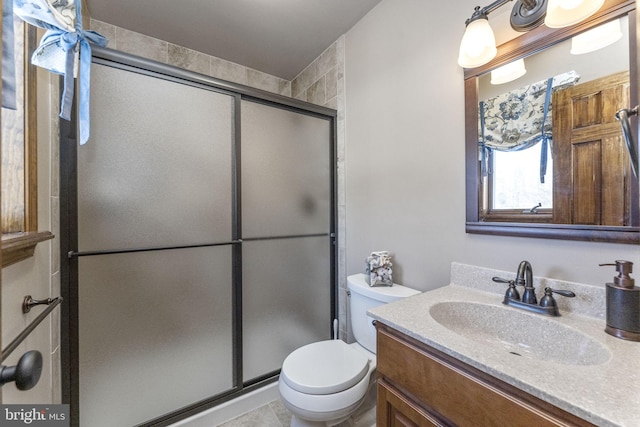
(591, 165)
(396, 410)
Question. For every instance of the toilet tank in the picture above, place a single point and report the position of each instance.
(364, 297)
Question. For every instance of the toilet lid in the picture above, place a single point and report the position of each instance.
(324, 367)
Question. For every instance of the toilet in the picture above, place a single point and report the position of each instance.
(326, 382)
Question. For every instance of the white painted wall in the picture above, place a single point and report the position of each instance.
(405, 173)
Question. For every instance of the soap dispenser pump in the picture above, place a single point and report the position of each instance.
(623, 304)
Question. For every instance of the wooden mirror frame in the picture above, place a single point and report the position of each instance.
(525, 45)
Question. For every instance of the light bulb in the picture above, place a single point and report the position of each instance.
(596, 38)
(508, 72)
(478, 44)
(564, 13)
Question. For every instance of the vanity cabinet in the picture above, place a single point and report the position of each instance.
(421, 386)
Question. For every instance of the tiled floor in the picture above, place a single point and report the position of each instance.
(274, 414)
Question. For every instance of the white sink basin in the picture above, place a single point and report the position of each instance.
(520, 333)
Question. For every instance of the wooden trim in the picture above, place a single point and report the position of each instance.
(634, 66)
(86, 15)
(543, 216)
(1, 257)
(627, 235)
(20, 246)
(30, 132)
(472, 165)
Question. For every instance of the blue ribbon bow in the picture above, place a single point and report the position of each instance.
(70, 43)
(57, 53)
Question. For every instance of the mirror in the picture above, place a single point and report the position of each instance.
(588, 191)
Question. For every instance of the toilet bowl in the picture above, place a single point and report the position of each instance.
(324, 383)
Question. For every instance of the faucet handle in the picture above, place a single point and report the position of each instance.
(564, 293)
(548, 301)
(512, 292)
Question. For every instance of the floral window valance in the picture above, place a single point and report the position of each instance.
(64, 49)
(515, 120)
(521, 118)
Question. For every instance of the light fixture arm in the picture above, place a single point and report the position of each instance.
(481, 13)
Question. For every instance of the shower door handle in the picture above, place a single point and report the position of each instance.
(623, 117)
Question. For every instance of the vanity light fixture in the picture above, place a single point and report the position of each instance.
(508, 72)
(478, 44)
(597, 38)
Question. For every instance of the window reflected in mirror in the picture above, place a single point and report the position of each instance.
(515, 185)
(550, 149)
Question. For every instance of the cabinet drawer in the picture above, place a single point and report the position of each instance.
(458, 392)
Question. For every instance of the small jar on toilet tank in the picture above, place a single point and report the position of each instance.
(379, 269)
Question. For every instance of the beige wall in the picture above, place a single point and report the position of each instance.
(38, 276)
(405, 179)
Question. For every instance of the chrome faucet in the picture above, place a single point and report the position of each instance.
(529, 301)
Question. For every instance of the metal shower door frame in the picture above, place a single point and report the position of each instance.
(69, 267)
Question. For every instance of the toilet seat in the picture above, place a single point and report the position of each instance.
(324, 367)
(332, 406)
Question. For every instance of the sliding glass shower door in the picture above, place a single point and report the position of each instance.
(199, 224)
(286, 215)
(155, 248)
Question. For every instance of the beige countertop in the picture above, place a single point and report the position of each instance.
(605, 394)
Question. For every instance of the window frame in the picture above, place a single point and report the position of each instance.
(21, 245)
(488, 213)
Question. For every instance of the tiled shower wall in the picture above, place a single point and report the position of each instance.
(321, 83)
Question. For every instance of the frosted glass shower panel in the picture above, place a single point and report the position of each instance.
(156, 332)
(157, 171)
(286, 172)
(286, 299)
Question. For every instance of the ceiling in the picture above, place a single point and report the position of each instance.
(278, 37)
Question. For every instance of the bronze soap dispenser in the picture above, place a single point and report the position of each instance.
(623, 304)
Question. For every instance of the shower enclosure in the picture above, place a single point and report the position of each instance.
(199, 223)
